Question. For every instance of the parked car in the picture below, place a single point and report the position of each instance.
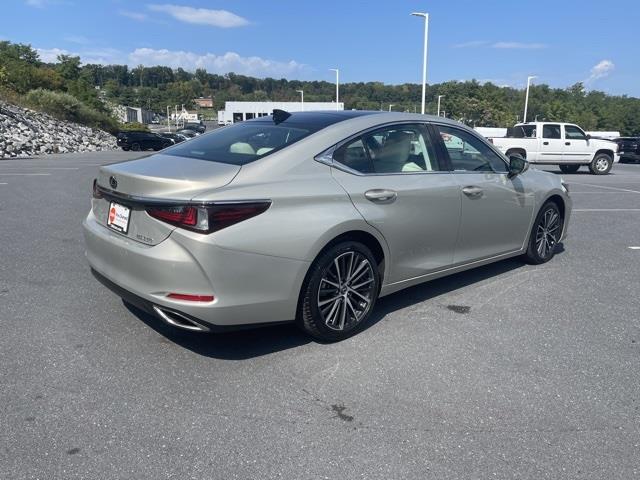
(563, 144)
(188, 133)
(197, 127)
(313, 216)
(142, 141)
(629, 149)
(176, 137)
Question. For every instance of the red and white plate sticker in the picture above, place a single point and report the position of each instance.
(118, 217)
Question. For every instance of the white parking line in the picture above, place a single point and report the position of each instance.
(3, 183)
(602, 186)
(24, 174)
(606, 210)
(634, 248)
(2, 167)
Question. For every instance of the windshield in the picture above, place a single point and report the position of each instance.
(242, 143)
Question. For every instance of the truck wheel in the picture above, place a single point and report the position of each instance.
(569, 168)
(601, 164)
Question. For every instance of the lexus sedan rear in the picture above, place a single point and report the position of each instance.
(311, 217)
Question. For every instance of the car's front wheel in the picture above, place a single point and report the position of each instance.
(601, 164)
(340, 292)
(545, 234)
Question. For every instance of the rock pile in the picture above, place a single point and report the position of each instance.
(24, 133)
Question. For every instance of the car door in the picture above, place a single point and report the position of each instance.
(496, 210)
(401, 188)
(551, 144)
(576, 145)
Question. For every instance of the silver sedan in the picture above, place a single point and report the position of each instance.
(311, 217)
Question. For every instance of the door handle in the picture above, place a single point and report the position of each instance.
(567, 143)
(381, 195)
(473, 192)
(545, 143)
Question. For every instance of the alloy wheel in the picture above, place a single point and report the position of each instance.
(547, 233)
(346, 291)
(602, 164)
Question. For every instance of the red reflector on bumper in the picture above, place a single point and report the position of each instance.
(190, 298)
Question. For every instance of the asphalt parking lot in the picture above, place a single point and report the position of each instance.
(506, 371)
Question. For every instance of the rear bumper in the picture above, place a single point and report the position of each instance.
(248, 288)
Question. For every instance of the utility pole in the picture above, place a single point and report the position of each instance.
(526, 98)
(337, 86)
(424, 54)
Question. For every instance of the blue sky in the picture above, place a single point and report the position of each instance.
(376, 40)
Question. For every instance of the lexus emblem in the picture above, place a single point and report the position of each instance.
(113, 182)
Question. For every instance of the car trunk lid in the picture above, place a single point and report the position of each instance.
(155, 179)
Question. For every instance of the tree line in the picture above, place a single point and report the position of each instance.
(155, 88)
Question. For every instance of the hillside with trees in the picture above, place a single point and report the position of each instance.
(476, 104)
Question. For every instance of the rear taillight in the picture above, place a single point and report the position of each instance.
(180, 216)
(96, 190)
(208, 218)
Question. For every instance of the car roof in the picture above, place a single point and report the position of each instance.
(323, 118)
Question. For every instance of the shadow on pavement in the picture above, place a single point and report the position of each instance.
(245, 344)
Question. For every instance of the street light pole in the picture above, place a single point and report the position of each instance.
(424, 55)
(301, 92)
(439, 97)
(337, 85)
(526, 98)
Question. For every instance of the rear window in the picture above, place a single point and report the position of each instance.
(242, 143)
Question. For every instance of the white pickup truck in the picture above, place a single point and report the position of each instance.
(563, 144)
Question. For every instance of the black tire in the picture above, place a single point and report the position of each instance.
(569, 168)
(601, 164)
(537, 254)
(136, 147)
(333, 314)
(126, 149)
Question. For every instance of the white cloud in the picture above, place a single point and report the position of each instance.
(600, 70)
(201, 16)
(79, 39)
(35, 3)
(141, 17)
(228, 62)
(501, 45)
(471, 44)
(225, 63)
(519, 45)
(50, 55)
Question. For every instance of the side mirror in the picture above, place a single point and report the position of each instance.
(588, 137)
(517, 165)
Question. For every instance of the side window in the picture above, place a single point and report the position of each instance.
(573, 133)
(551, 131)
(397, 149)
(468, 153)
(354, 156)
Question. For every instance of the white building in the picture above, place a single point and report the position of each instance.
(239, 111)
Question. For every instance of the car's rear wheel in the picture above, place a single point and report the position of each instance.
(136, 147)
(545, 234)
(340, 292)
(126, 149)
(601, 164)
(569, 168)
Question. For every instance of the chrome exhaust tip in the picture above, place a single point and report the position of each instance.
(178, 320)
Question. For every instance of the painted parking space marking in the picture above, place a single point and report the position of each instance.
(23, 174)
(602, 186)
(606, 210)
(634, 248)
